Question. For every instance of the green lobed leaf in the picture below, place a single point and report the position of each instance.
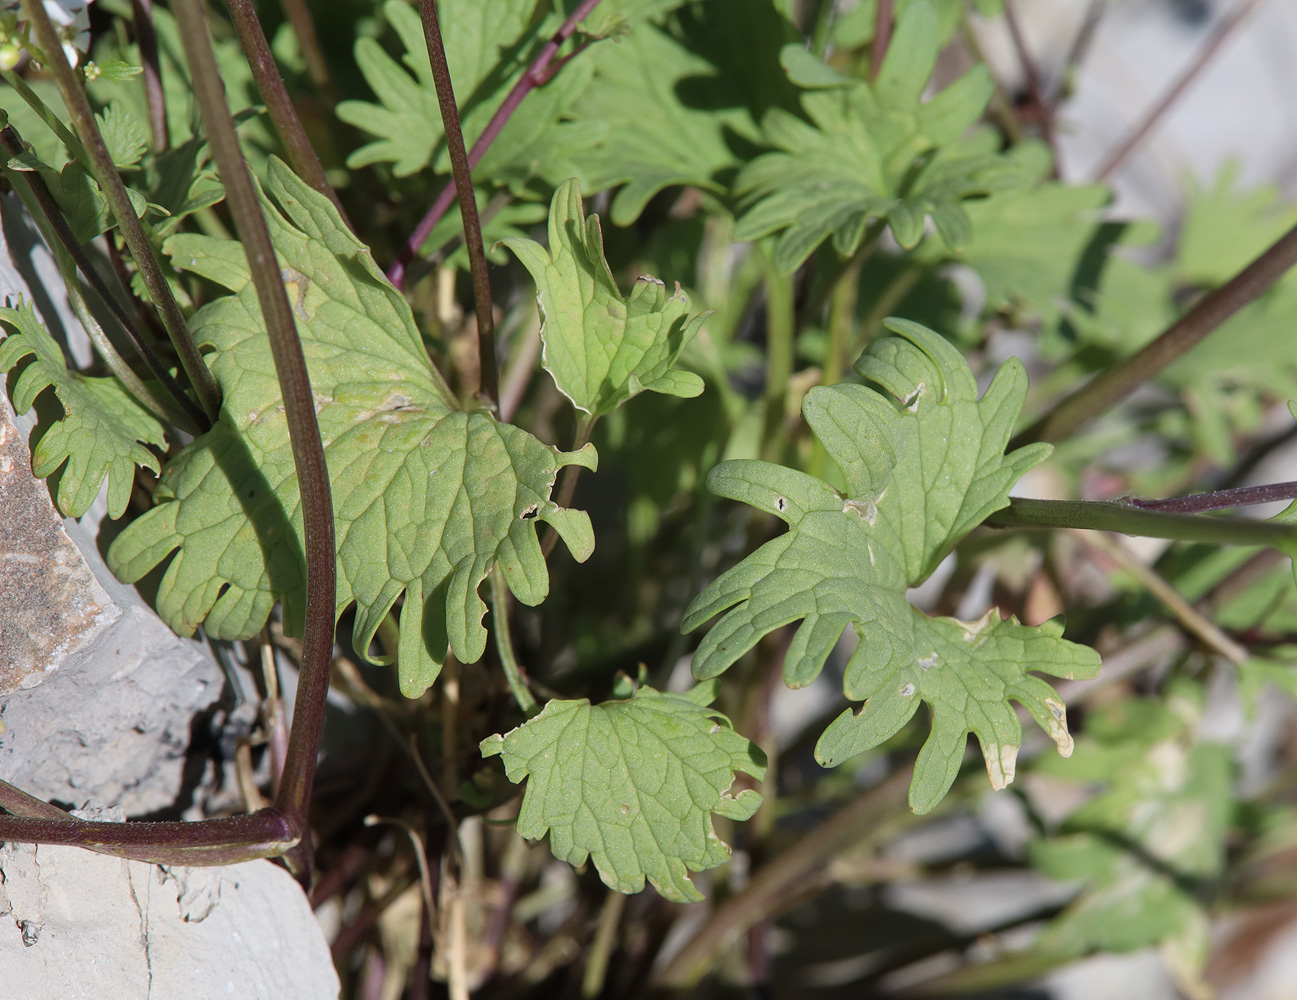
(922, 469)
(125, 136)
(426, 497)
(873, 153)
(602, 349)
(676, 103)
(103, 431)
(632, 784)
(488, 46)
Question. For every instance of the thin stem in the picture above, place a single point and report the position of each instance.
(50, 119)
(1035, 89)
(601, 949)
(780, 325)
(308, 41)
(420, 854)
(504, 644)
(1127, 520)
(288, 126)
(1080, 46)
(294, 795)
(1109, 388)
(147, 39)
(1001, 106)
(1193, 621)
(537, 74)
(1242, 496)
(66, 241)
(110, 182)
(882, 37)
(1160, 107)
(863, 819)
(461, 170)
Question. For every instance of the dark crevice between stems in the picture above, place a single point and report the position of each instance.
(288, 126)
(61, 231)
(1112, 386)
(110, 182)
(538, 73)
(488, 377)
(294, 795)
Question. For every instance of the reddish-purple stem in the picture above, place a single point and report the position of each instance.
(1242, 496)
(882, 37)
(538, 73)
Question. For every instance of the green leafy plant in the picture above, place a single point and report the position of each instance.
(787, 259)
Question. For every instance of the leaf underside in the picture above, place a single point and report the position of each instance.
(602, 349)
(426, 497)
(924, 463)
(633, 785)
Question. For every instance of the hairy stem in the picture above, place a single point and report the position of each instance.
(1109, 388)
(64, 241)
(538, 73)
(288, 126)
(489, 376)
(110, 182)
(1162, 105)
(1127, 520)
(294, 794)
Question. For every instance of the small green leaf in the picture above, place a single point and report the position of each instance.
(632, 784)
(922, 469)
(426, 497)
(126, 138)
(874, 152)
(600, 348)
(103, 431)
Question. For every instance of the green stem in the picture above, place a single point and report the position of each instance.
(489, 378)
(1109, 388)
(601, 949)
(294, 795)
(51, 120)
(1127, 520)
(780, 324)
(110, 182)
(504, 643)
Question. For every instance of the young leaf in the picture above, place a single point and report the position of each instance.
(874, 152)
(631, 784)
(600, 348)
(921, 472)
(426, 497)
(103, 431)
(125, 137)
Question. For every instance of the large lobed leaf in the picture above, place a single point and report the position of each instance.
(602, 349)
(632, 784)
(103, 431)
(426, 497)
(872, 152)
(921, 471)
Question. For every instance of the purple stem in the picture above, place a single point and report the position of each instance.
(537, 74)
(1241, 496)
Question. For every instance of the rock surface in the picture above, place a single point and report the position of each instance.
(77, 924)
